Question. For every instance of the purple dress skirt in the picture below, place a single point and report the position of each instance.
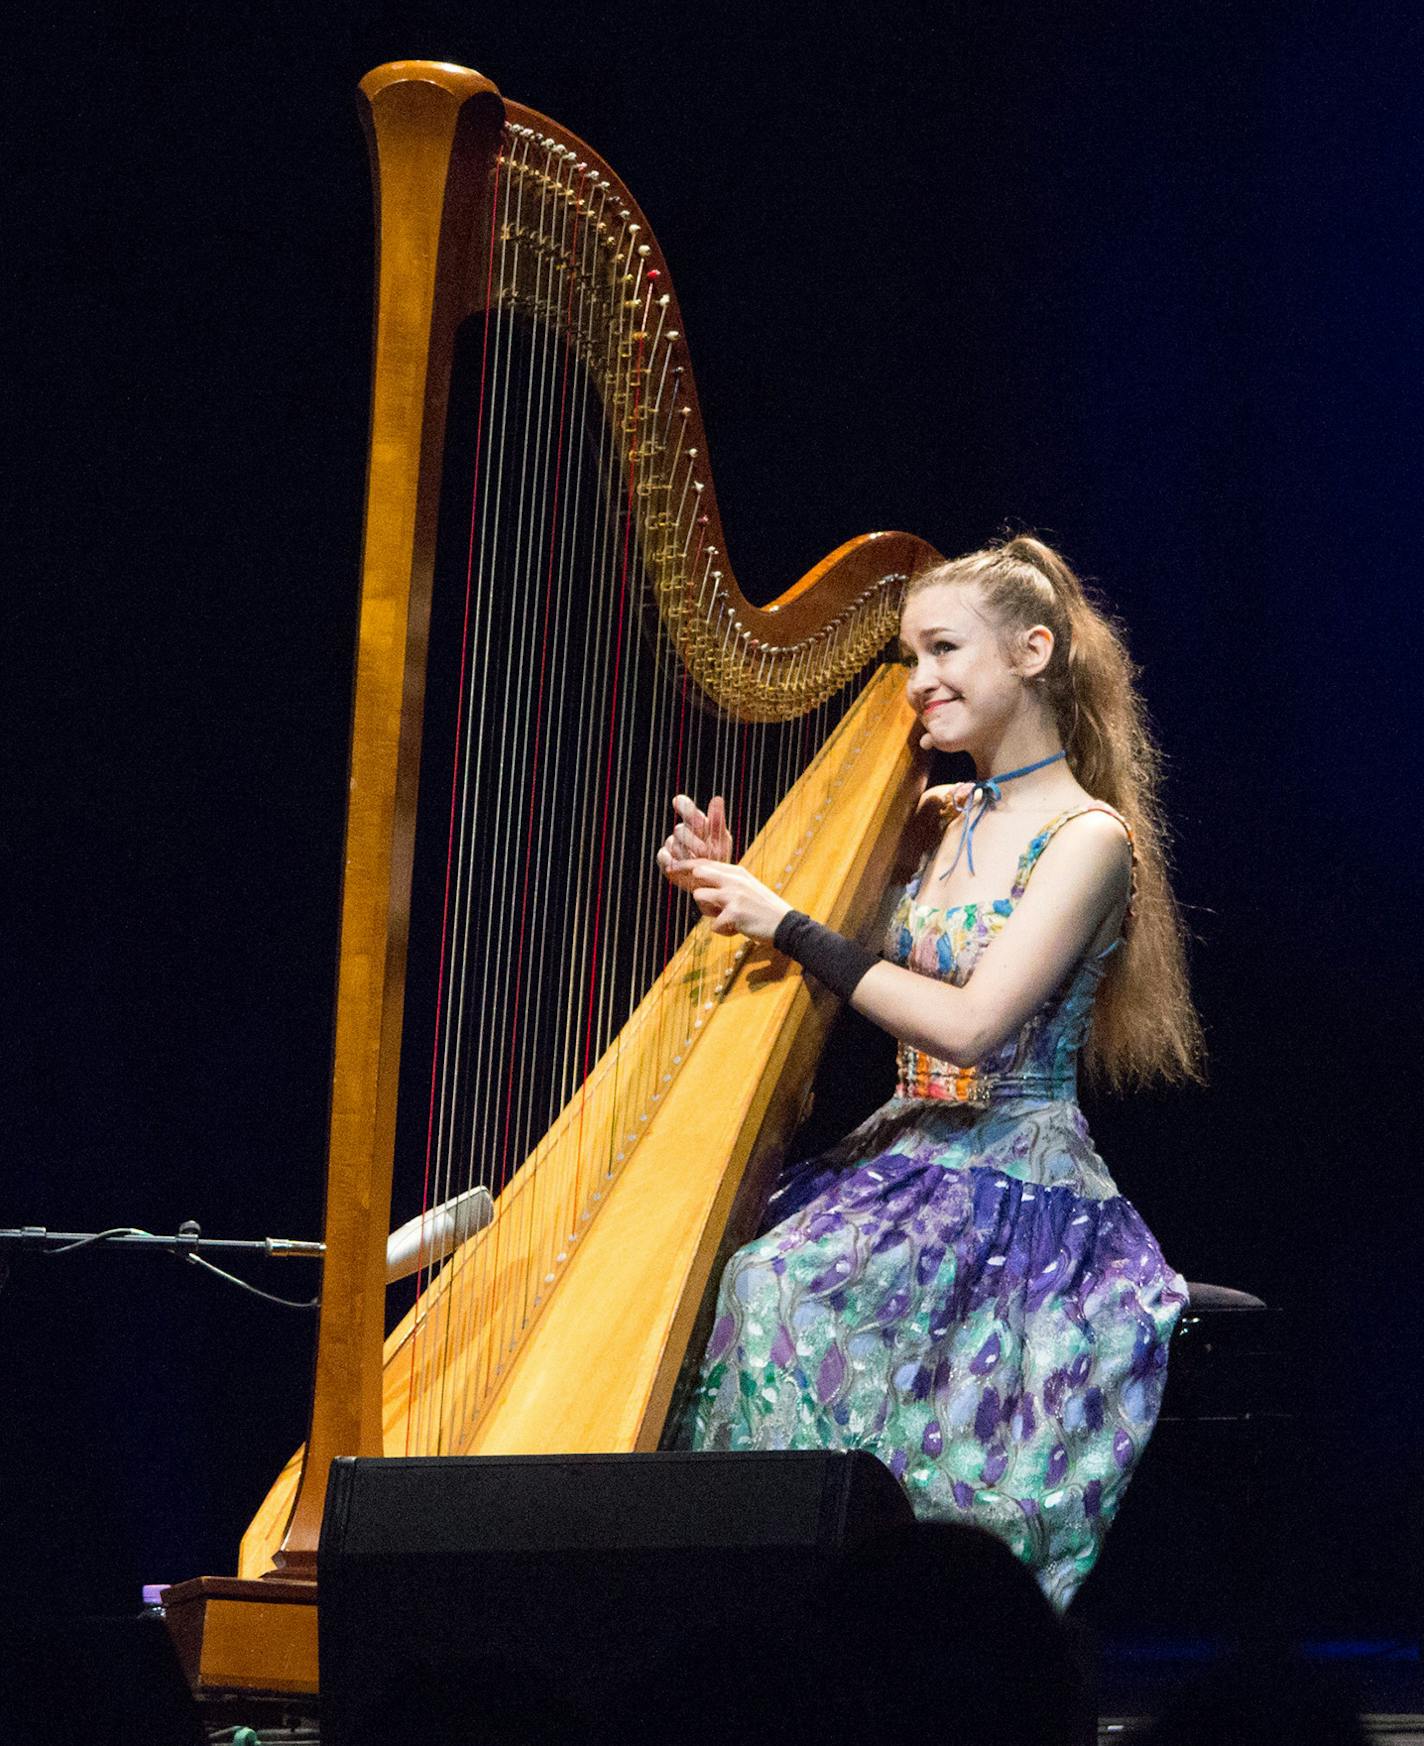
(958, 1286)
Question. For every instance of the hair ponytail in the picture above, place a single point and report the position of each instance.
(1144, 1025)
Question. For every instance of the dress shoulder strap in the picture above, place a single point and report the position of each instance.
(1029, 859)
(913, 884)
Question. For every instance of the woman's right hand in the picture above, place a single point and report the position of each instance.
(697, 836)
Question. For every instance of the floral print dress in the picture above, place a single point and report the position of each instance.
(958, 1286)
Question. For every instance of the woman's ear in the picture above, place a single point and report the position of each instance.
(1035, 652)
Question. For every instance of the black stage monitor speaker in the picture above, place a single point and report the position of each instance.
(550, 1598)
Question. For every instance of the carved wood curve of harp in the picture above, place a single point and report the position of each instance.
(842, 610)
(461, 174)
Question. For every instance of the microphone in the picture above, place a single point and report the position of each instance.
(430, 1236)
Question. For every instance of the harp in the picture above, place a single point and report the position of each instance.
(551, 644)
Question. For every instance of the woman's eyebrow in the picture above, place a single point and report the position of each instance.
(938, 630)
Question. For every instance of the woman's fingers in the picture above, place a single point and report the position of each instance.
(687, 840)
(736, 900)
(719, 837)
(707, 887)
(703, 833)
(719, 915)
(675, 864)
(696, 837)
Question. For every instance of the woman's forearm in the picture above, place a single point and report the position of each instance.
(934, 1017)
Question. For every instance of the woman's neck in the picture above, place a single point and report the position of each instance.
(1023, 744)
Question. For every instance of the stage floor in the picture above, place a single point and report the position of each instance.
(1384, 1729)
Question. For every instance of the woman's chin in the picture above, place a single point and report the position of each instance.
(942, 737)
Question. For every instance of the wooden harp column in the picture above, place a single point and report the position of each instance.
(483, 206)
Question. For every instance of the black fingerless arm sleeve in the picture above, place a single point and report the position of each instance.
(830, 957)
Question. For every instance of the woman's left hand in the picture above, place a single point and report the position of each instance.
(736, 901)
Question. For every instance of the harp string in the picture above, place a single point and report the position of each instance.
(552, 848)
(514, 1235)
(479, 955)
(491, 975)
(519, 1095)
(593, 704)
(586, 744)
(645, 913)
(498, 988)
(632, 1071)
(490, 492)
(604, 813)
(606, 702)
(431, 1154)
(674, 745)
(527, 875)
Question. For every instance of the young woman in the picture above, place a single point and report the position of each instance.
(958, 1286)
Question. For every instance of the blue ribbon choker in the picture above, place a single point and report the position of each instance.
(983, 796)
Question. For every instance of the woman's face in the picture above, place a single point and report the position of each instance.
(960, 685)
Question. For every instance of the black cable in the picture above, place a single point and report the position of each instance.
(256, 1290)
(98, 1237)
(197, 1260)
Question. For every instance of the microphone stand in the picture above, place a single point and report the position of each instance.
(188, 1240)
(187, 1244)
(418, 1245)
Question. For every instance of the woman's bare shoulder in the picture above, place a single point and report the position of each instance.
(1093, 846)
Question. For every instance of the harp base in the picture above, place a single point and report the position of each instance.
(253, 1637)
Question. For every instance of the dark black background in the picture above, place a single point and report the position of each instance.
(1140, 278)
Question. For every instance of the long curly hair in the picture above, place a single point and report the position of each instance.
(1144, 1026)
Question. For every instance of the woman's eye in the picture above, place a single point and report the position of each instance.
(943, 648)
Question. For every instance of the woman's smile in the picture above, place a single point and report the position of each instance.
(938, 703)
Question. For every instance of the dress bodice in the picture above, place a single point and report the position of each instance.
(1041, 1060)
